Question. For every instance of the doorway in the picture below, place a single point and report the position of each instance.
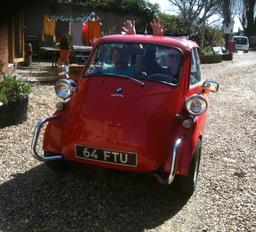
(16, 38)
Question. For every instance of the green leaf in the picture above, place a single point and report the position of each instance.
(13, 89)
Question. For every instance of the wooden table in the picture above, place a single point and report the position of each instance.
(54, 52)
(85, 49)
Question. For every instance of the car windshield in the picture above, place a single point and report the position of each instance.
(145, 62)
(241, 40)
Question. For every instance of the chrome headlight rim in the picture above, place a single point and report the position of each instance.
(201, 100)
(67, 86)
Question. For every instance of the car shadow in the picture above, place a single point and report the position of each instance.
(85, 199)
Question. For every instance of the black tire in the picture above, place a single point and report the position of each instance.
(58, 165)
(187, 184)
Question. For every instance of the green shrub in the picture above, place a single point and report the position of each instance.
(210, 59)
(173, 23)
(228, 56)
(213, 36)
(13, 89)
(207, 51)
(65, 42)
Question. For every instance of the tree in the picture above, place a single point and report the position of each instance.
(141, 8)
(227, 11)
(196, 13)
(247, 16)
(173, 23)
(213, 36)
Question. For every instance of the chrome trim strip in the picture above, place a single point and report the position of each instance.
(200, 83)
(36, 136)
(174, 160)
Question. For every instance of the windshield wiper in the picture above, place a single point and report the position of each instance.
(136, 80)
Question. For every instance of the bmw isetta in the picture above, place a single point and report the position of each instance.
(139, 105)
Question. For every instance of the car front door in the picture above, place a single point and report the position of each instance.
(196, 87)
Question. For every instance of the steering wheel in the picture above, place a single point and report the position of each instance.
(160, 77)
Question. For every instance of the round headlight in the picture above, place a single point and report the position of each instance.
(196, 105)
(64, 88)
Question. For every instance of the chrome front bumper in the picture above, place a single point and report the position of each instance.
(35, 140)
(174, 160)
(169, 180)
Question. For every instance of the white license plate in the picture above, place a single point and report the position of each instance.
(106, 156)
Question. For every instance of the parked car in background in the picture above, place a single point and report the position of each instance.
(140, 105)
(241, 43)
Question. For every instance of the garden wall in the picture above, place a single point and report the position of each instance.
(111, 22)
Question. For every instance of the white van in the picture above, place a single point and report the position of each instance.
(242, 43)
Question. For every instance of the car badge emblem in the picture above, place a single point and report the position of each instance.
(118, 93)
(119, 90)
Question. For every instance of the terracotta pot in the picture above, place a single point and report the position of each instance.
(64, 54)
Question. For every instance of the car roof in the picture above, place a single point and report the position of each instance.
(181, 43)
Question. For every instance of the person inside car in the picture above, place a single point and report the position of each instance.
(150, 64)
(120, 60)
(173, 63)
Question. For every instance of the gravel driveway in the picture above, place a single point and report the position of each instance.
(33, 198)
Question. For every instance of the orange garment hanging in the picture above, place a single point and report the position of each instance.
(94, 30)
(49, 26)
(85, 34)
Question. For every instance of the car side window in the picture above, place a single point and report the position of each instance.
(195, 75)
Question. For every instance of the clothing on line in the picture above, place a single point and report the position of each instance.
(77, 33)
(49, 26)
(94, 31)
(85, 33)
(82, 34)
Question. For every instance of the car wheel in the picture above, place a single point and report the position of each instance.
(58, 165)
(246, 51)
(187, 184)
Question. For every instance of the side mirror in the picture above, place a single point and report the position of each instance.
(211, 86)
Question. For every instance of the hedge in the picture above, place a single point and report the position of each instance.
(210, 59)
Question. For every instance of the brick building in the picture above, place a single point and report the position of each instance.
(4, 53)
(11, 35)
(21, 22)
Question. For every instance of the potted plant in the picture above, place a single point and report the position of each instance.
(65, 47)
(13, 100)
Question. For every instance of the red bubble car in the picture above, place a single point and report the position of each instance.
(140, 105)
